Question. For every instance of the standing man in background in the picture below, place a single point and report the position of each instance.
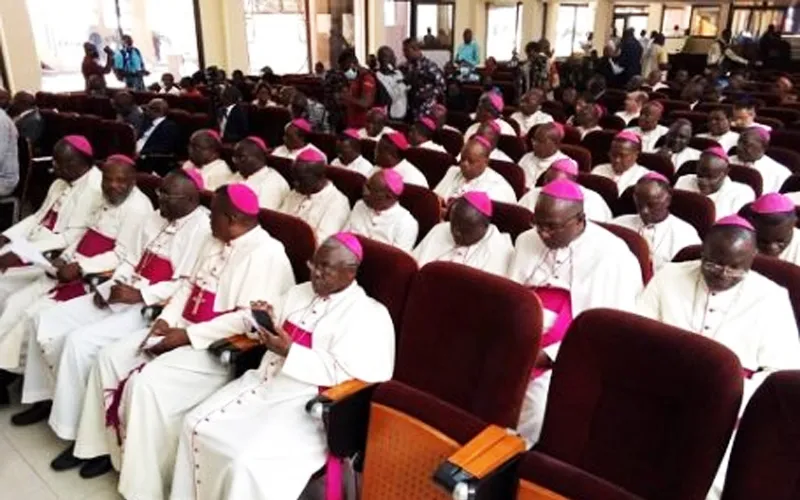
(359, 97)
(424, 77)
(467, 52)
(129, 65)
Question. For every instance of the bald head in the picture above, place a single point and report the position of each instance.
(204, 148)
(474, 157)
(653, 198)
(178, 196)
(774, 232)
(546, 140)
(157, 108)
(308, 177)
(558, 221)
(467, 225)
(728, 253)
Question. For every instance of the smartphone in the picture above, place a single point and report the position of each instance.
(264, 320)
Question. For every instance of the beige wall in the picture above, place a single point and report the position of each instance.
(19, 51)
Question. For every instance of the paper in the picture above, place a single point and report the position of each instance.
(153, 341)
(104, 291)
(23, 249)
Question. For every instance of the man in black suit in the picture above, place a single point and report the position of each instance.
(160, 135)
(26, 117)
(234, 122)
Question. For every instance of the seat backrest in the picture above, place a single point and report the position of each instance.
(699, 120)
(786, 157)
(604, 186)
(368, 147)
(511, 145)
(325, 142)
(694, 208)
(484, 329)
(599, 143)
(612, 122)
(671, 105)
(149, 185)
(637, 245)
(511, 219)
(708, 107)
(283, 166)
(785, 115)
(655, 409)
(351, 184)
(451, 140)
(297, 237)
(424, 205)
(581, 155)
(432, 164)
(749, 176)
(791, 184)
(763, 463)
(701, 143)
(658, 163)
(512, 173)
(789, 139)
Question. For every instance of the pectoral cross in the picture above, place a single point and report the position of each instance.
(198, 301)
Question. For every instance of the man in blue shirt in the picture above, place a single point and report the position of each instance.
(467, 52)
(129, 65)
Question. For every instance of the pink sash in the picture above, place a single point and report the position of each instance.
(199, 306)
(154, 268)
(49, 219)
(558, 301)
(92, 243)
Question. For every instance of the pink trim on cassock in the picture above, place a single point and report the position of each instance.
(92, 243)
(205, 311)
(49, 219)
(558, 301)
(154, 268)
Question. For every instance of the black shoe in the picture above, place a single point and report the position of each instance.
(35, 414)
(66, 460)
(5, 398)
(6, 378)
(96, 467)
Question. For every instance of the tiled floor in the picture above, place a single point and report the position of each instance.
(25, 474)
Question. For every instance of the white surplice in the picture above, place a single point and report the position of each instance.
(254, 438)
(527, 122)
(362, 133)
(727, 140)
(664, 239)
(688, 154)
(394, 226)
(625, 180)
(160, 391)
(326, 211)
(729, 198)
(409, 173)
(534, 167)
(268, 184)
(594, 206)
(432, 146)
(360, 165)
(215, 174)
(284, 152)
(792, 251)
(492, 253)
(118, 223)
(650, 138)
(505, 128)
(70, 334)
(586, 131)
(455, 185)
(627, 117)
(597, 269)
(773, 174)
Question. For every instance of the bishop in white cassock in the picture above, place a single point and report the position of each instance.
(594, 206)
(295, 140)
(375, 126)
(649, 129)
(389, 154)
(623, 169)
(665, 234)
(254, 438)
(490, 111)
(204, 155)
(156, 376)
(530, 113)
(719, 129)
(676, 144)
(469, 238)
(573, 266)
(491, 132)
(474, 174)
(379, 215)
(250, 159)
(751, 152)
(545, 146)
(421, 135)
(348, 148)
(721, 298)
(712, 181)
(314, 198)
(774, 218)
(587, 119)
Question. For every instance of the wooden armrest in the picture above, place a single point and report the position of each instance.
(344, 390)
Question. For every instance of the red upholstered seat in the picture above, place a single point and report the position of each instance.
(424, 205)
(612, 101)
(556, 110)
(653, 415)
(612, 122)
(792, 184)
(459, 120)
(789, 139)
(512, 219)
(636, 244)
(625, 203)
(571, 135)
(580, 154)
(512, 145)
(368, 149)
(746, 175)
(269, 123)
(765, 461)
(282, 165)
(657, 163)
(707, 107)
(350, 183)
(785, 115)
(702, 143)
(604, 186)
(671, 105)
(699, 120)
(451, 140)
(149, 185)
(786, 157)
(512, 173)
(599, 143)
(433, 164)
(325, 142)
(772, 122)
(297, 237)
(694, 208)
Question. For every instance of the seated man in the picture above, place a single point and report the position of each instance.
(594, 206)
(530, 113)
(633, 106)
(676, 144)
(491, 132)
(421, 135)
(468, 238)
(623, 169)
(439, 113)
(474, 174)
(721, 298)
(127, 111)
(545, 145)
(712, 181)
(160, 135)
(751, 152)
(224, 447)
(665, 234)
(490, 110)
(390, 154)
(375, 127)
(587, 119)
(379, 215)
(572, 265)
(314, 198)
(156, 375)
(295, 140)
(348, 150)
(250, 160)
(648, 129)
(110, 232)
(774, 217)
(233, 115)
(205, 148)
(27, 118)
(744, 115)
(719, 129)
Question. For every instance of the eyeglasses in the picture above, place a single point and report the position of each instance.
(550, 227)
(163, 194)
(325, 268)
(719, 269)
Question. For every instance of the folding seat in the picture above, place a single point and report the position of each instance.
(512, 173)
(297, 237)
(603, 186)
(581, 155)
(451, 140)
(50, 133)
(786, 157)
(694, 208)
(201, 121)
(785, 115)
(325, 142)
(749, 176)
(283, 166)
(424, 205)
(512, 219)
(472, 94)
(121, 136)
(368, 147)
(658, 163)
(789, 139)
(556, 110)
(599, 143)
(149, 184)
(765, 459)
(637, 245)
(612, 122)
(351, 184)
(512, 145)
(659, 95)
(702, 143)
(432, 164)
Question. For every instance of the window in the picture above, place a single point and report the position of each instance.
(503, 30)
(630, 17)
(705, 21)
(434, 25)
(336, 29)
(753, 21)
(163, 31)
(675, 21)
(397, 24)
(272, 24)
(574, 22)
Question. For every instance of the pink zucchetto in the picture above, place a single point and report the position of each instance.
(311, 155)
(398, 139)
(628, 135)
(655, 176)
(718, 152)
(559, 129)
(243, 198)
(566, 165)
(124, 159)
(496, 101)
(302, 124)
(480, 201)
(772, 203)
(351, 133)
(563, 189)
(600, 110)
(492, 124)
(258, 141)
(735, 220)
(196, 177)
(393, 181)
(80, 143)
(428, 123)
(350, 242)
(380, 110)
(760, 132)
(483, 141)
(211, 133)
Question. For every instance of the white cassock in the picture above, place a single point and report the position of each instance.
(677, 295)
(729, 198)
(534, 167)
(495, 154)
(61, 220)
(773, 174)
(759, 125)
(594, 206)
(586, 131)
(597, 270)
(455, 185)
(268, 184)
(688, 154)
(362, 133)
(326, 211)
(650, 138)
(360, 165)
(254, 438)
(505, 128)
(727, 140)
(111, 231)
(625, 180)
(627, 117)
(215, 174)
(491, 254)
(791, 253)
(153, 395)
(284, 152)
(664, 239)
(527, 122)
(394, 226)
(432, 146)
(409, 173)
(71, 334)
